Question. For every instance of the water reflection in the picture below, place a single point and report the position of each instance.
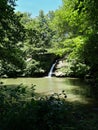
(75, 89)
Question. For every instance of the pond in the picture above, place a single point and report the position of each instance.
(75, 89)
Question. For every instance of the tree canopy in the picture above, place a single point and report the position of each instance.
(71, 32)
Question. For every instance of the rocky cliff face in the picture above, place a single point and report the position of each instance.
(59, 69)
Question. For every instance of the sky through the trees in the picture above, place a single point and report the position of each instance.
(34, 6)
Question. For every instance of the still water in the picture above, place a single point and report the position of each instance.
(74, 88)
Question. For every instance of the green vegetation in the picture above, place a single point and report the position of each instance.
(28, 47)
(27, 44)
(78, 28)
(23, 109)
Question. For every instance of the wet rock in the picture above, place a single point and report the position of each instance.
(58, 70)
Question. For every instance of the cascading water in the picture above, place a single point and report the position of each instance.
(51, 69)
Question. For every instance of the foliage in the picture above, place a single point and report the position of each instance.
(11, 101)
(70, 31)
(11, 36)
(32, 67)
(31, 41)
(37, 42)
(76, 22)
(20, 108)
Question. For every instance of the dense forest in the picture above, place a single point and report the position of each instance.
(30, 45)
(28, 48)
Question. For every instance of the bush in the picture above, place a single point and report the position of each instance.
(21, 109)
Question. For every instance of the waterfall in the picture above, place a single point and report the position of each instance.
(51, 69)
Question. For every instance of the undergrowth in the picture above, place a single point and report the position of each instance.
(20, 109)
